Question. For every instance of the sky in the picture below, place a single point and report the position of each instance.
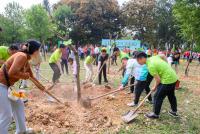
(28, 3)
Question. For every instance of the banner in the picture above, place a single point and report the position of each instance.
(121, 44)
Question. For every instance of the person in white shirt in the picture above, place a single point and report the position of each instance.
(96, 52)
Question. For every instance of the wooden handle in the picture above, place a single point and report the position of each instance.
(99, 72)
(41, 87)
(111, 92)
(142, 102)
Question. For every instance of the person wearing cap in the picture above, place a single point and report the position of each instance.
(6, 52)
(88, 66)
(103, 57)
(54, 62)
(15, 68)
(165, 78)
(140, 74)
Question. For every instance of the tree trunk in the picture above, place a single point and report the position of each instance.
(78, 73)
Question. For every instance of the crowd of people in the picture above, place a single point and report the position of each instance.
(138, 68)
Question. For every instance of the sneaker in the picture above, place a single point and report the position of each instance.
(132, 104)
(30, 131)
(152, 116)
(174, 114)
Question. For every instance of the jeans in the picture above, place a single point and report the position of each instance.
(164, 90)
(56, 72)
(64, 64)
(104, 74)
(139, 87)
(9, 108)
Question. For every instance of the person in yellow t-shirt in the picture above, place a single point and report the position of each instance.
(88, 66)
(6, 52)
(54, 63)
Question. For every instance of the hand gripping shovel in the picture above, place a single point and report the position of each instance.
(44, 90)
(86, 102)
(132, 114)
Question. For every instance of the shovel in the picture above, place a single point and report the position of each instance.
(132, 114)
(88, 85)
(44, 90)
(86, 102)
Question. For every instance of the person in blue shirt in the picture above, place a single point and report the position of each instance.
(142, 79)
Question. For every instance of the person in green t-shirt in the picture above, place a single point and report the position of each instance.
(121, 54)
(6, 52)
(88, 66)
(54, 62)
(165, 78)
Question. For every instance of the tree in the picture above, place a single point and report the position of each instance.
(93, 19)
(187, 15)
(38, 23)
(13, 23)
(167, 31)
(62, 16)
(140, 18)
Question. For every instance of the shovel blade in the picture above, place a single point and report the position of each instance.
(130, 116)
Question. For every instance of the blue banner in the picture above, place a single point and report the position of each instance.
(121, 44)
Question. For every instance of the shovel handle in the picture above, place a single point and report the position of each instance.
(111, 92)
(40, 86)
(142, 102)
(98, 72)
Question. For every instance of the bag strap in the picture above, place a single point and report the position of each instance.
(6, 75)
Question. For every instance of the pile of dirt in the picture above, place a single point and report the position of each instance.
(50, 117)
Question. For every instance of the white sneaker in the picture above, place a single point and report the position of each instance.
(30, 131)
(132, 104)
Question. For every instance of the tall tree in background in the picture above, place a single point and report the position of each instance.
(140, 17)
(62, 16)
(94, 19)
(13, 22)
(187, 14)
(167, 32)
(38, 23)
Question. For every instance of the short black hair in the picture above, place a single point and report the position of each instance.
(13, 47)
(62, 46)
(116, 49)
(141, 55)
